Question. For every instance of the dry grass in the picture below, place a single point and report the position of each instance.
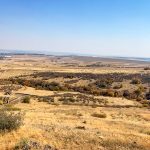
(58, 126)
(26, 64)
(74, 127)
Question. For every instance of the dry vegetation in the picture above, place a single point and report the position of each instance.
(79, 103)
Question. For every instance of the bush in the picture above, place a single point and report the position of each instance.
(26, 99)
(108, 92)
(54, 83)
(104, 83)
(67, 100)
(27, 144)
(147, 68)
(142, 88)
(99, 115)
(148, 95)
(118, 86)
(145, 105)
(135, 81)
(126, 94)
(22, 144)
(9, 120)
(138, 92)
(139, 99)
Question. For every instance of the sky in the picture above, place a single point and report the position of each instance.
(90, 27)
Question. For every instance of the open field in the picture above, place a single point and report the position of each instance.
(76, 103)
(74, 127)
(70, 64)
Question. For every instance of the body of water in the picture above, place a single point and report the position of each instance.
(134, 58)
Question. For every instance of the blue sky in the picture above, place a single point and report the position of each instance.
(96, 27)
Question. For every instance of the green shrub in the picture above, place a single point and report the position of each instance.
(26, 99)
(9, 120)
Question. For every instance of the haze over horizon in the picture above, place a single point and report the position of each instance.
(106, 28)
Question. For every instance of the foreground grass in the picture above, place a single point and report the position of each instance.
(74, 127)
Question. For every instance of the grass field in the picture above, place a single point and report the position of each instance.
(116, 123)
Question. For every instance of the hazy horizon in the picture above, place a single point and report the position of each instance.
(71, 54)
(100, 28)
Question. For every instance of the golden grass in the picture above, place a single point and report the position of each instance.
(123, 128)
(61, 126)
(26, 64)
